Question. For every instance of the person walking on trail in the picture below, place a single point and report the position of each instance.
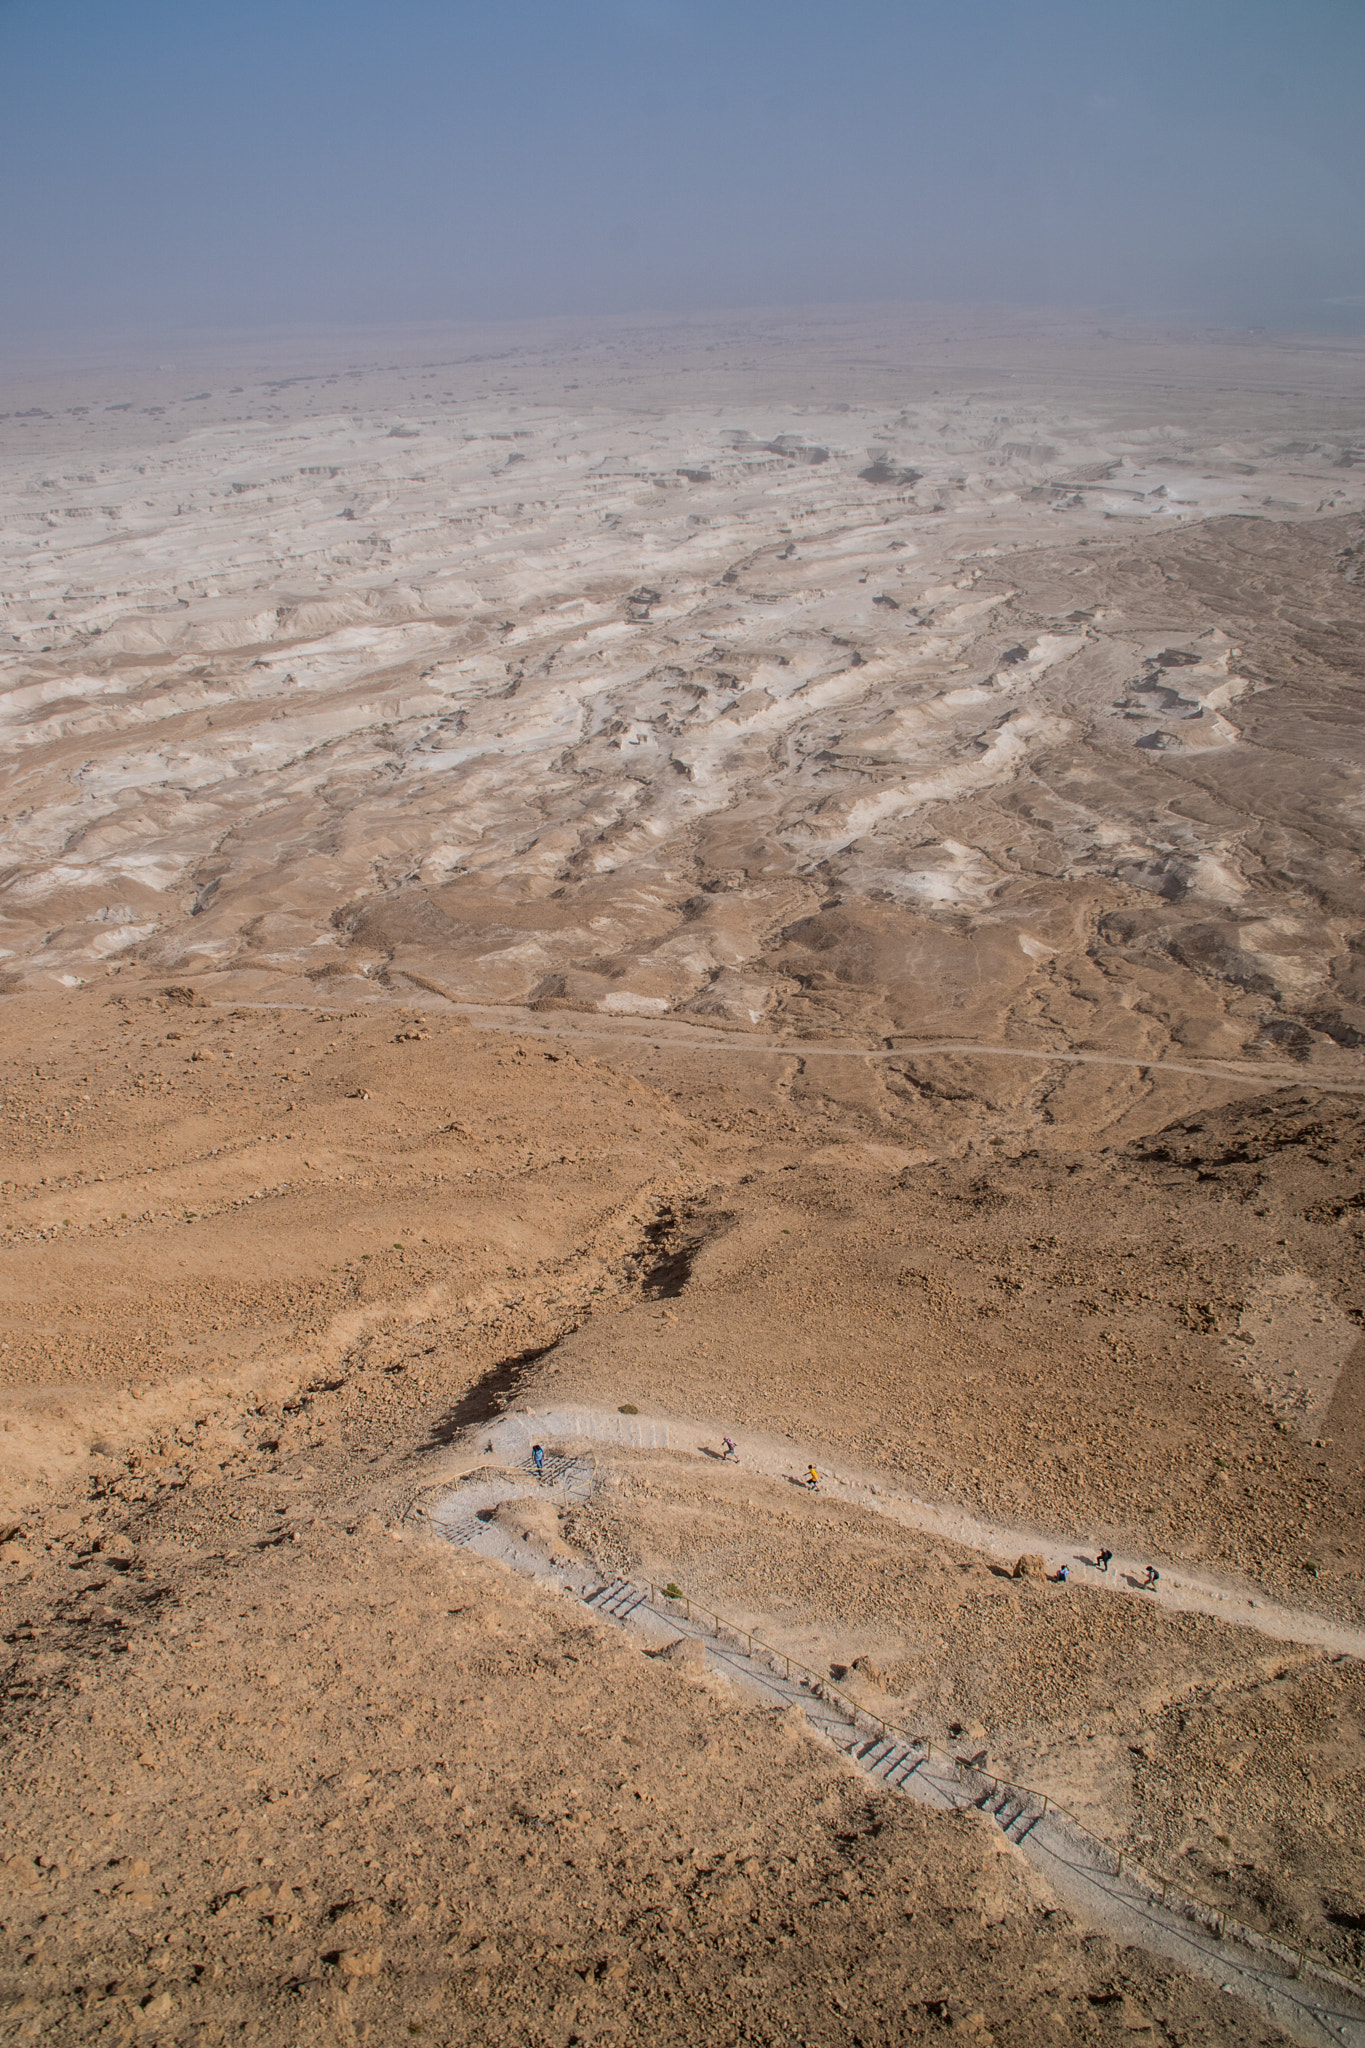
(538, 1457)
(812, 1478)
(729, 1451)
(1153, 1577)
(1104, 1560)
(1063, 1575)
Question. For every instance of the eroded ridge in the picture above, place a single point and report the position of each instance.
(899, 707)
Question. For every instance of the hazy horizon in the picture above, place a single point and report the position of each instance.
(312, 167)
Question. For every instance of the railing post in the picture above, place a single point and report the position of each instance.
(858, 1714)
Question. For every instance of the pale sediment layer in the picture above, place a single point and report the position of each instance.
(952, 695)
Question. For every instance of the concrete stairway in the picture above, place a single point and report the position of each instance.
(618, 1598)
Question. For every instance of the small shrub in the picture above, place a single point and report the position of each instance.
(672, 1592)
(627, 1408)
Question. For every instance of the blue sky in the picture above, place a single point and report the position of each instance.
(198, 165)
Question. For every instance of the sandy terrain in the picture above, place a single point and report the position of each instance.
(401, 1798)
(470, 807)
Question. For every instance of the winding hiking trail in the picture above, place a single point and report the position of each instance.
(1313, 2004)
(1178, 1588)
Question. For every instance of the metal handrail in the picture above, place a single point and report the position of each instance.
(1169, 1890)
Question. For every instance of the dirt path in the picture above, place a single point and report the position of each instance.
(1246, 1075)
(1177, 1589)
(1314, 2006)
(666, 1037)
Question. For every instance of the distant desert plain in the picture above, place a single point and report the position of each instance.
(591, 890)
